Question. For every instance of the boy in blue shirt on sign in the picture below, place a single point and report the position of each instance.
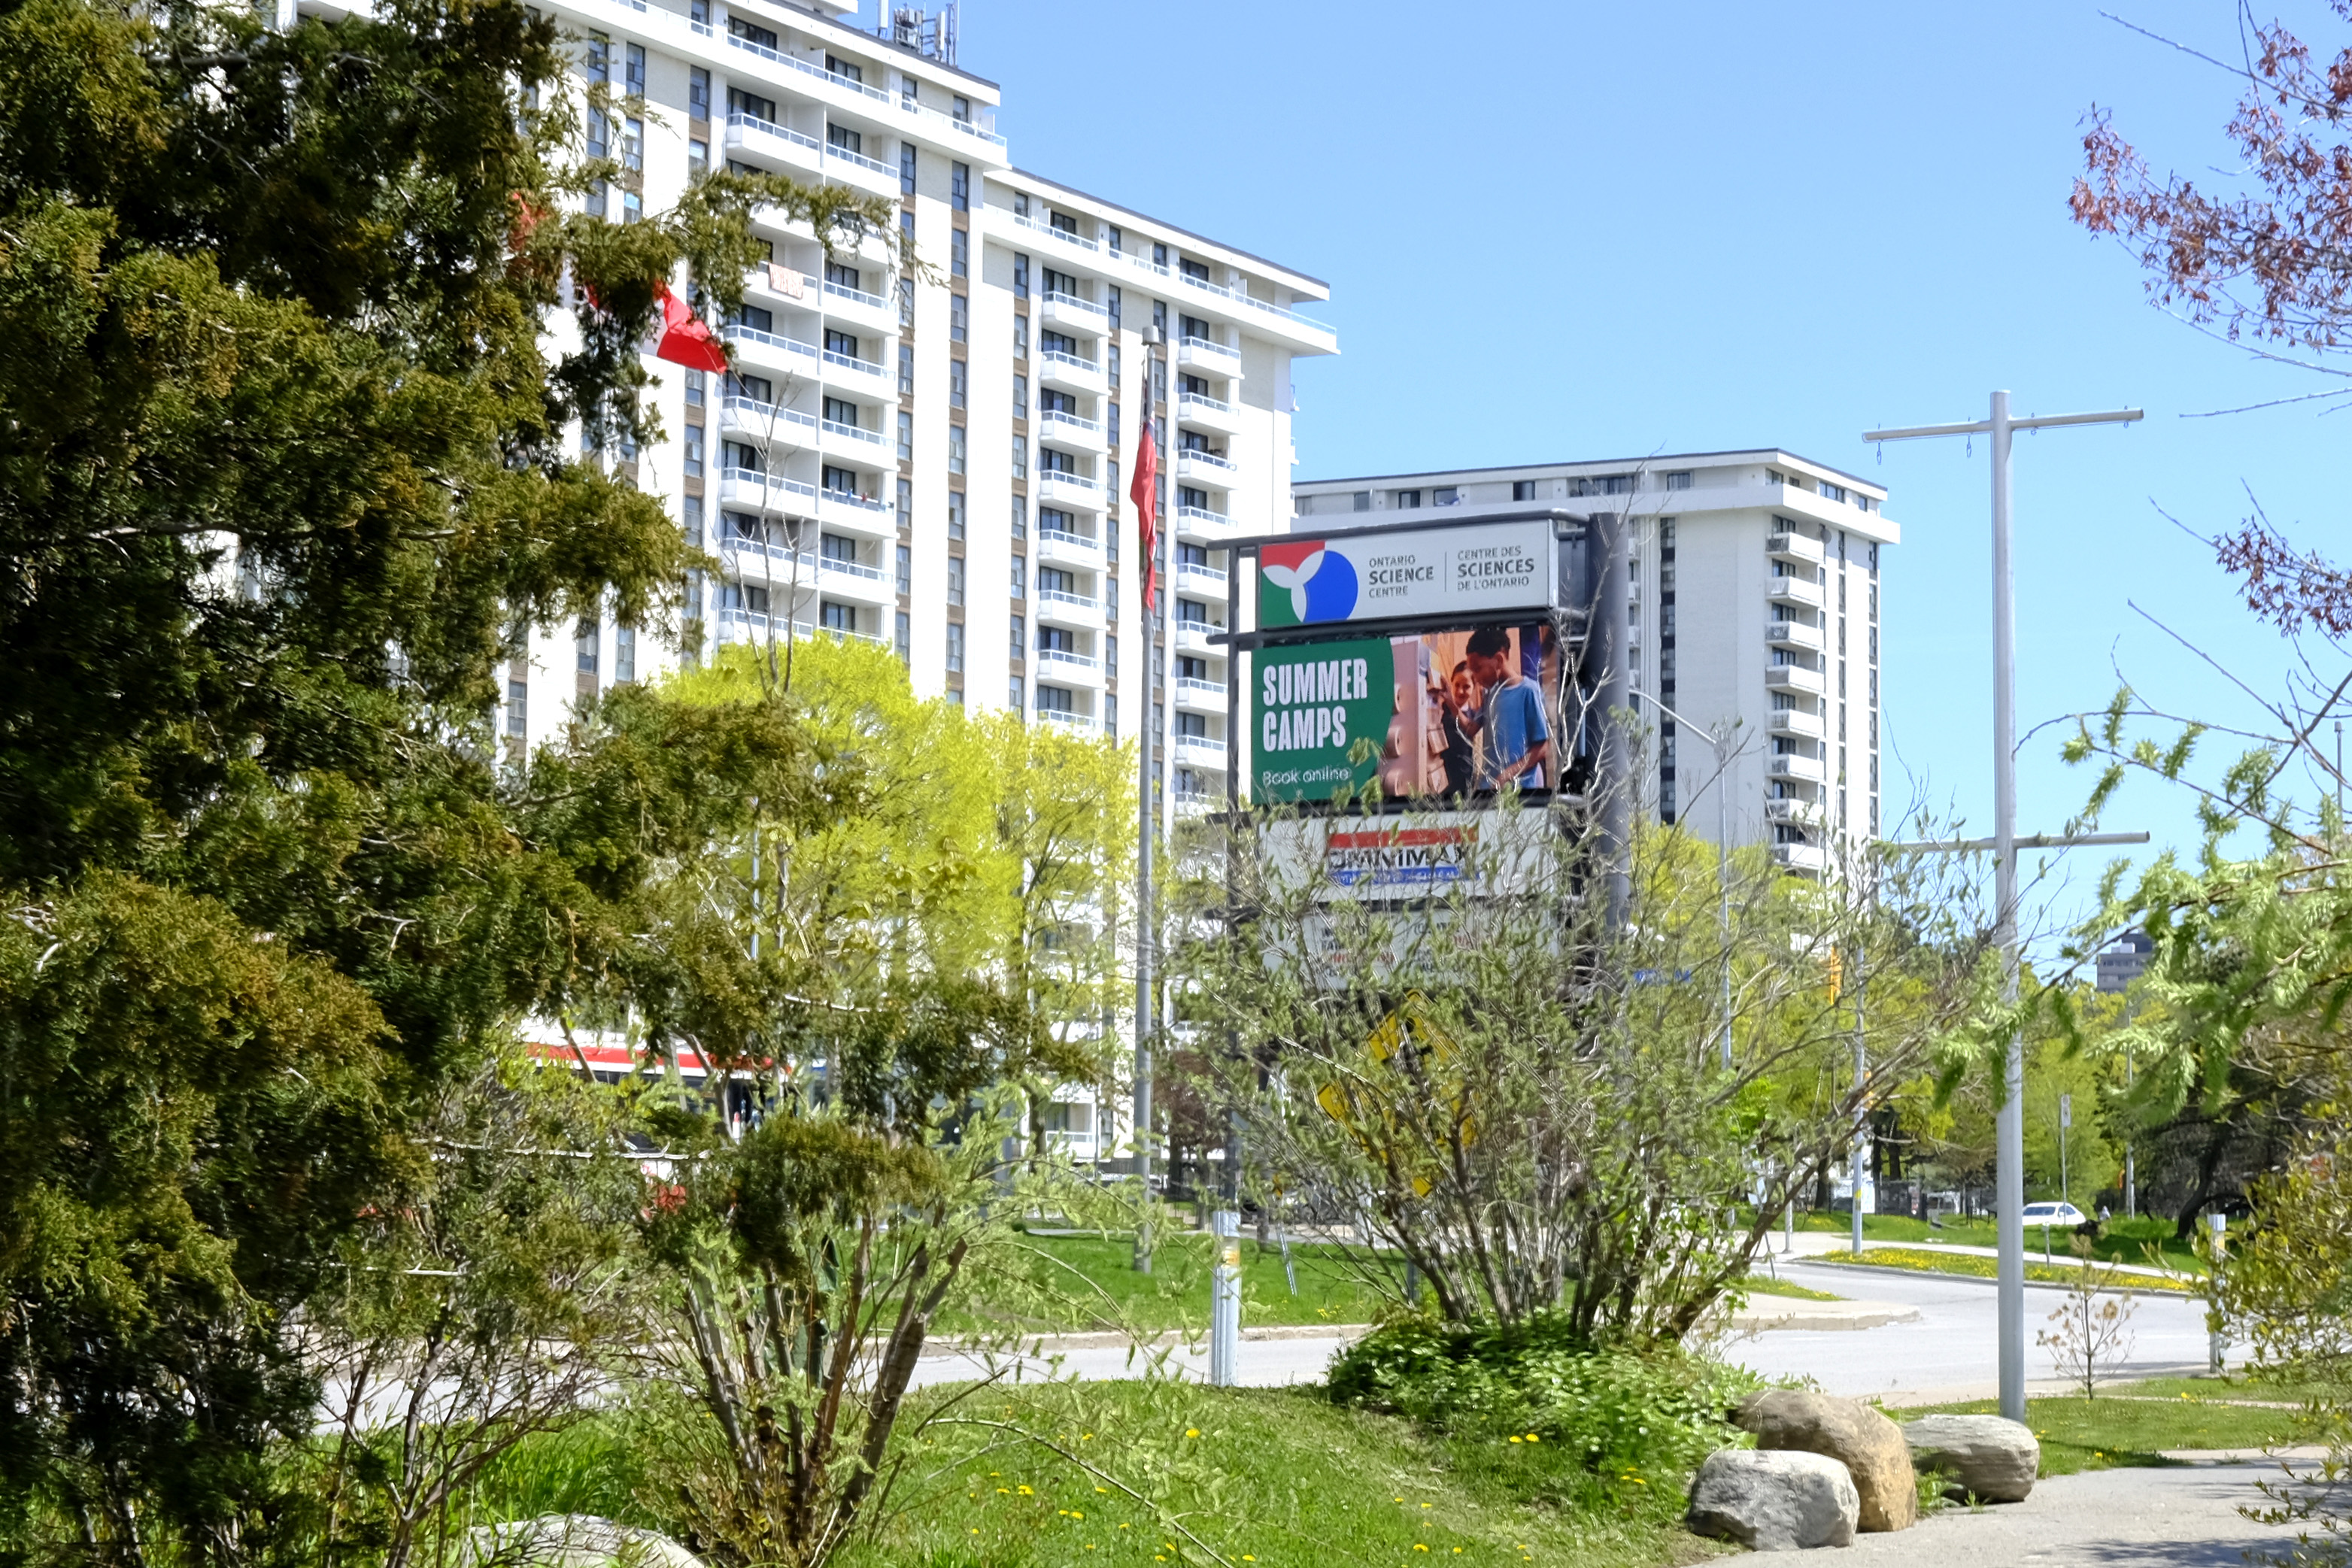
(1513, 738)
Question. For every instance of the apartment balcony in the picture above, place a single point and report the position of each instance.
(1795, 813)
(1056, 608)
(791, 152)
(812, 78)
(1205, 580)
(1199, 696)
(1071, 313)
(757, 560)
(1797, 724)
(1794, 634)
(1201, 748)
(754, 490)
(1200, 526)
(868, 516)
(1196, 411)
(1209, 359)
(1795, 548)
(739, 626)
(1199, 802)
(1206, 468)
(1054, 546)
(1065, 668)
(1069, 373)
(1797, 590)
(865, 378)
(1796, 770)
(1810, 859)
(1056, 488)
(867, 176)
(855, 444)
(875, 314)
(1193, 637)
(854, 582)
(1071, 433)
(774, 351)
(767, 425)
(1795, 678)
(1069, 719)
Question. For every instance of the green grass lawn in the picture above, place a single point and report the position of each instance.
(1098, 1288)
(1765, 1285)
(2108, 1431)
(2124, 1241)
(1972, 1266)
(1271, 1477)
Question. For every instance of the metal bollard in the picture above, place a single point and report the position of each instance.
(2215, 1341)
(1225, 1300)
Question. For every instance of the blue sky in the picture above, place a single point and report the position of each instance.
(1569, 231)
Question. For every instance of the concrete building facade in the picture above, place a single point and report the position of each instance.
(1756, 615)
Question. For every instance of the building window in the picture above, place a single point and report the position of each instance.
(1020, 578)
(834, 616)
(1021, 337)
(840, 481)
(1110, 300)
(906, 369)
(959, 187)
(960, 253)
(905, 503)
(1406, 500)
(1016, 629)
(698, 93)
(1020, 519)
(906, 569)
(517, 708)
(691, 524)
(1055, 699)
(636, 69)
(1680, 479)
(906, 168)
(1020, 276)
(625, 652)
(955, 514)
(958, 382)
(838, 342)
(752, 33)
(841, 411)
(1021, 457)
(1444, 496)
(600, 57)
(1361, 501)
(847, 69)
(906, 636)
(955, 579)
(958, 318)
(955, 448)
(955, 645)
(583, 643)
(698, 156)
(696, 385)
(691, 465)
(905, 435)
(1021, 397)
(1014, 689)
(906, 302)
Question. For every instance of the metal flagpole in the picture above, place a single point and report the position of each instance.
(2009, 1122)
(1145, 828)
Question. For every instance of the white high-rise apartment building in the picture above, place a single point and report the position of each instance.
(938, 466)
(1755, 616)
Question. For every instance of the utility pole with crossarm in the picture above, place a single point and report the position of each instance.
(2010, 1125)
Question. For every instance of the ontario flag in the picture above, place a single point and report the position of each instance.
(687, 340)
(1144, 491)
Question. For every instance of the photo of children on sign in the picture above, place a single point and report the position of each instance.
(1451, 713)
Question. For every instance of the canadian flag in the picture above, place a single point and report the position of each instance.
(687, 340)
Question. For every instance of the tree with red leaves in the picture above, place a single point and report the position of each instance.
(2267, 266)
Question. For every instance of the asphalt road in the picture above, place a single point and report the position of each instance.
(1948, 1354)
(1952, 1352)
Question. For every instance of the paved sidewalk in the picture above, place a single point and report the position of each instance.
(2172, 1519)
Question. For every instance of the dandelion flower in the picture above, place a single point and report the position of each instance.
(1191, 1431)
(1518, 1439)
(1026, 1492)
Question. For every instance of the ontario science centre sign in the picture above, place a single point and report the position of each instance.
(1452, 687)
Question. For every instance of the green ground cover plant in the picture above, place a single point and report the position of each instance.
(1765, 1285)
(1972, 1266)
(2116, 1429)
(2119, 1240)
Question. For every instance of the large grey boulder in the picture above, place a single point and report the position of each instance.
(1865, 1442)
(1774, 1500)
(1988, 1457)
(573, 1540)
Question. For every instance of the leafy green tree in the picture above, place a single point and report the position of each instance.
(289, 465)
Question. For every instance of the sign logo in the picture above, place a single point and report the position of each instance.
(1302, 583)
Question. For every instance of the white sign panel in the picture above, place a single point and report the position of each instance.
(1424, 573)
(1418, 855)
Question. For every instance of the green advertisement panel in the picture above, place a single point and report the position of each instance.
(1309, 707)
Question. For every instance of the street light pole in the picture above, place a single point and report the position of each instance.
(2010, 1124)
(1146, 926)
(1723, 854)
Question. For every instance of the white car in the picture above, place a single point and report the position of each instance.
(2053, 1215)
